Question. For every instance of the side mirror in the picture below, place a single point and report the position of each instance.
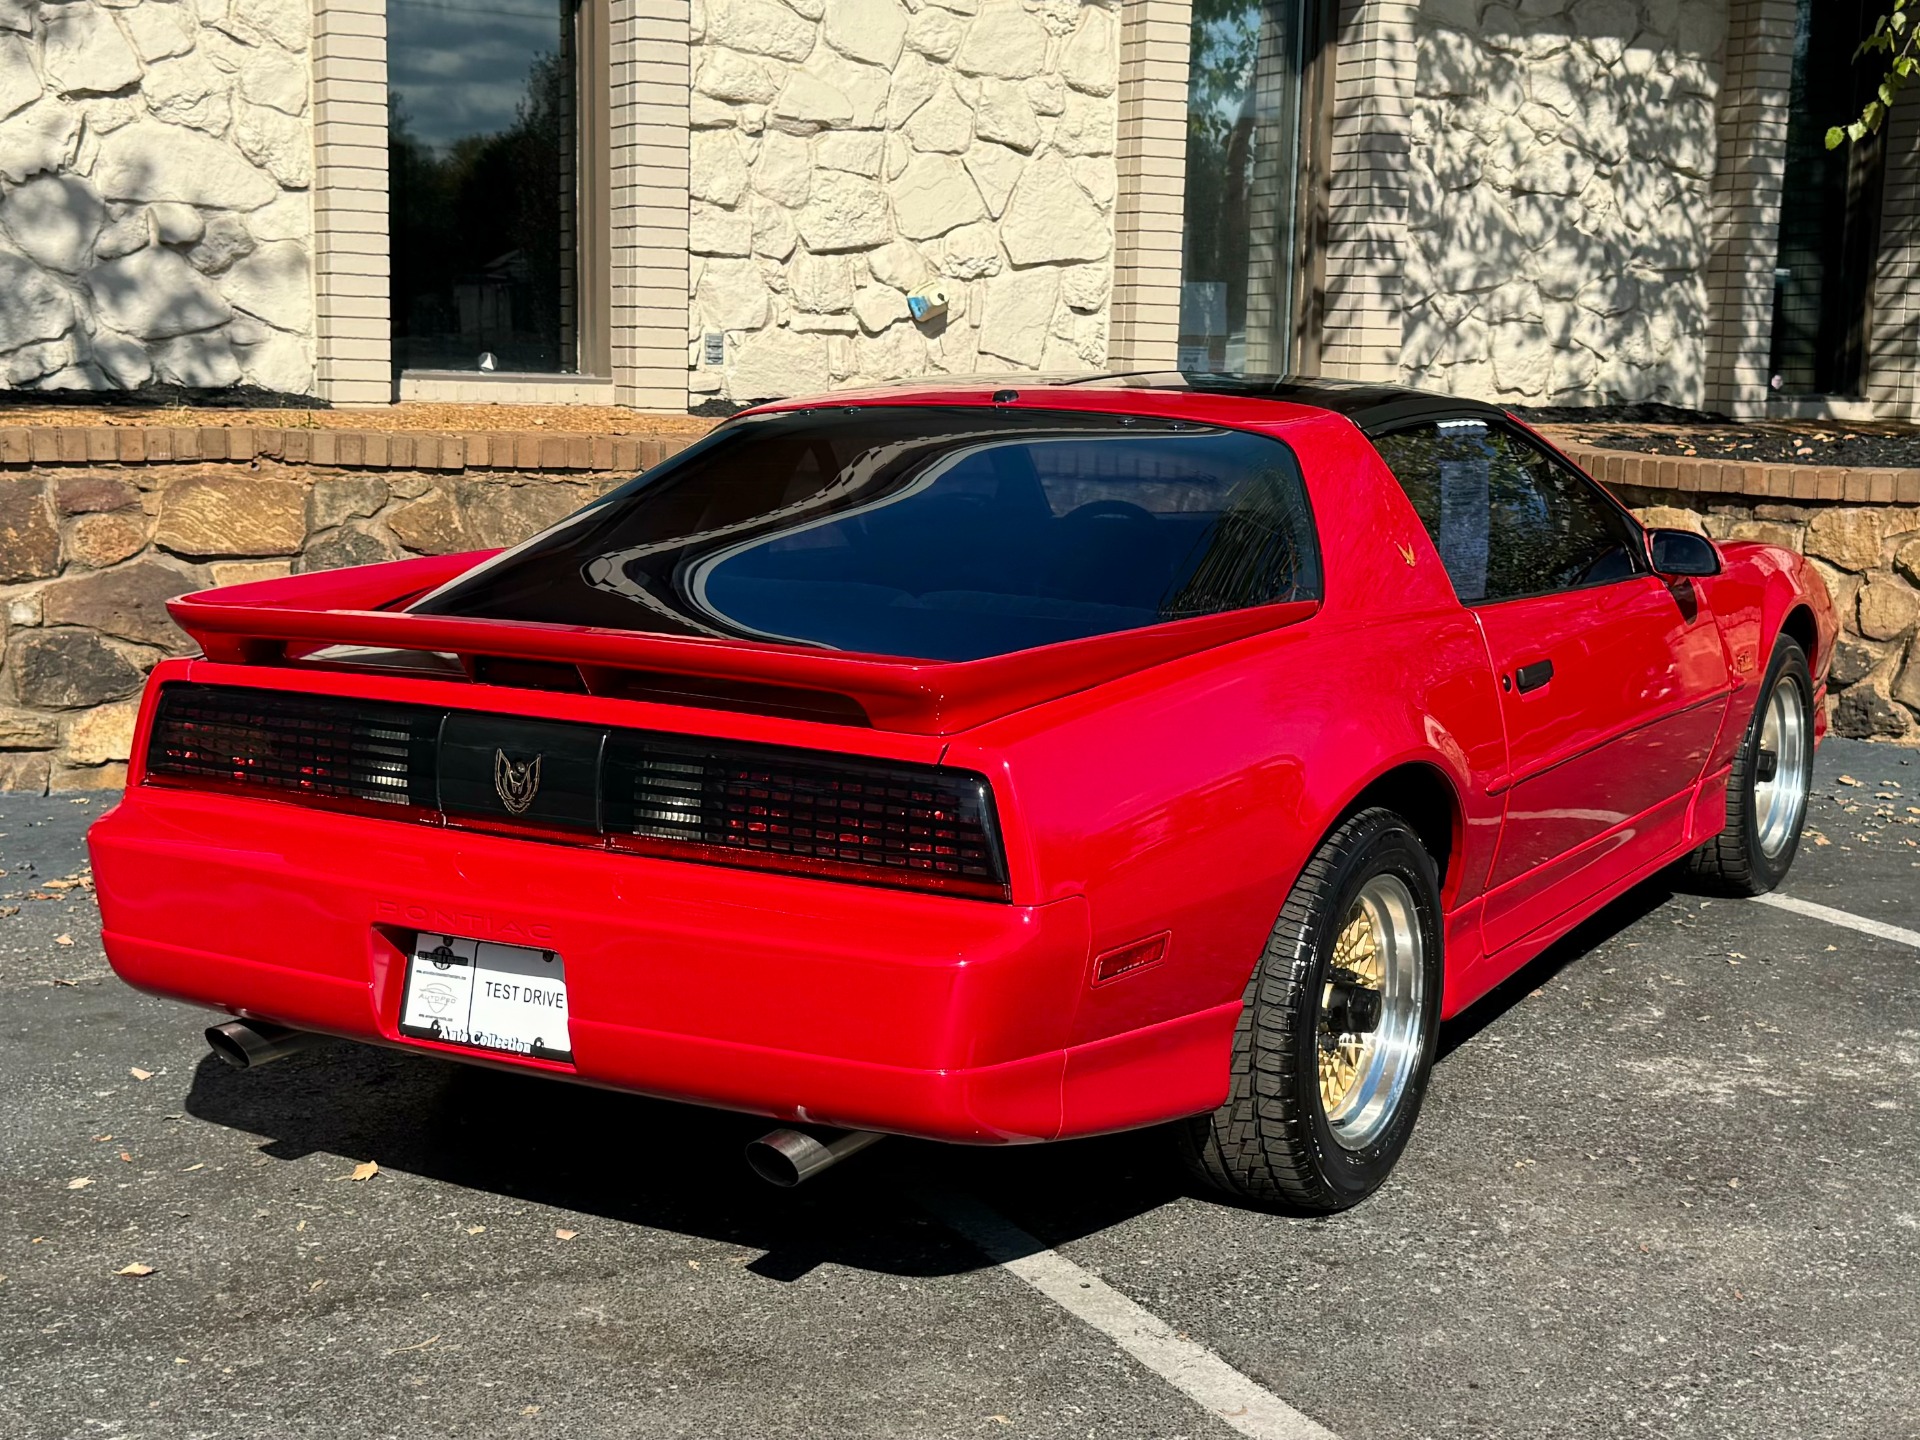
(1678, 553)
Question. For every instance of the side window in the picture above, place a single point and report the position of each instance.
(1507, 518)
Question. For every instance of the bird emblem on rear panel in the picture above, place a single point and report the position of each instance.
(516, 781)
(1406, 552)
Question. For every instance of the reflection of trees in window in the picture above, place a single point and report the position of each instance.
(1243, 158)
(1544, 528)
(1257, 552)
(482, 234)
(1226, 40)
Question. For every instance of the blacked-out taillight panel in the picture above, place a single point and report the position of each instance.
(714, 801)
(299, 745)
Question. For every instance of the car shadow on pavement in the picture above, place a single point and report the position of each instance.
(680, 1168)
(650, 1163)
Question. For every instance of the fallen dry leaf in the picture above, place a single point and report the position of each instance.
(9, 910)
(476, 1229)
(136, 1270)
(140, 1074)
(63, 939)
(60, 884)
(366, 1170)
(565, 1234)
(79, 1183)
(1848, 780)
(404, 1349)
(197, 1165)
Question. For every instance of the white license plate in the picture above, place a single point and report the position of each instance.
(492, 997)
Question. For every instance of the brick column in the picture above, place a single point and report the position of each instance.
(1151, 160)
(1893, 339)
(351, 271)
(1746, 203)
(1367, 192)
(651, 59)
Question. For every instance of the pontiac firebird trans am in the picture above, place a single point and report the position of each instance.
(983, 764)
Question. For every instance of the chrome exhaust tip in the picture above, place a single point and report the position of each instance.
(788, 1157)
(245, 1044)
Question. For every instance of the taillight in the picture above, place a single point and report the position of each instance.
(801, 810)
(922, 827)
(300, 745)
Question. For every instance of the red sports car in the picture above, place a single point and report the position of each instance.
(990, 765)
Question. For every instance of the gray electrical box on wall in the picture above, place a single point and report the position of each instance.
(716, 348)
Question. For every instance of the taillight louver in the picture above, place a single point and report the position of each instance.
(377, 754)
(915, 825)
(717, 801)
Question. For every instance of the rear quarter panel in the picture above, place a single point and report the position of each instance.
(1188, 797)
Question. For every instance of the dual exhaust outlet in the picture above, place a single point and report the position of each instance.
(783, 1157)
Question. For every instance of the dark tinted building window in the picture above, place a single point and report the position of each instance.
(932, 533)
(1242, 242)
(1507, 518)
(483, 148)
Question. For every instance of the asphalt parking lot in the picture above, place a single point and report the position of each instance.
(1667, 1183)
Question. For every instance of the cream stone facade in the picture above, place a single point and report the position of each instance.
(1544, 202)
(156, 164)
(963, 149)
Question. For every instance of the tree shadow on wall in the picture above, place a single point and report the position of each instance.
(113, 301)
(1559, 202)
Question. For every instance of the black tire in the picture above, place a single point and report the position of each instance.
(1271, 1143)
(1736, 862)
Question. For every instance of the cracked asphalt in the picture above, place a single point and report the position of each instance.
(1664, 1185)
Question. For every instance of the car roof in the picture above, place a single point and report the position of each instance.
(1373, 408)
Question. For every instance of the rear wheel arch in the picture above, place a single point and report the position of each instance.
(1421, 793)
(1799, 623)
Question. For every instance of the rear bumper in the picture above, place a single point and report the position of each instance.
(794, 998)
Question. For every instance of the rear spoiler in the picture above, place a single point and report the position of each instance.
(276, 622)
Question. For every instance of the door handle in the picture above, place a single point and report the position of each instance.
(1532, 677)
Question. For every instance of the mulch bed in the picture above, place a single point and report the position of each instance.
(1694, 434)
(1769, 443)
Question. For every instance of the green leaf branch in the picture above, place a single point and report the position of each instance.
(1896, 36)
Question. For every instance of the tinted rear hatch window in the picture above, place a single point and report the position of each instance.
(940, 534)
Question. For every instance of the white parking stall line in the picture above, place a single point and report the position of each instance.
(1878, 928)
(1193, 1370)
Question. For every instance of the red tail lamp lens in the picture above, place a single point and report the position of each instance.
(1129, 958)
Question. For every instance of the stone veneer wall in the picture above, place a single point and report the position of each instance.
(155, 223)
(91, 552)
(1560, 215)
(845, 152)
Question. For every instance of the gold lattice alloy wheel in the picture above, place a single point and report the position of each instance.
(1370, 1007)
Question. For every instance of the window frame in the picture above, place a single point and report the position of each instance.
(1637, 552)
(590, 269)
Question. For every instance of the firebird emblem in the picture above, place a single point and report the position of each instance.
(516, 784)
(1406, 551)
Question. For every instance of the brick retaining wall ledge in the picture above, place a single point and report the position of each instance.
(47, 445)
